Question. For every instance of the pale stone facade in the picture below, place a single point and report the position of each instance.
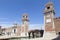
(49, 17)
(16, 30)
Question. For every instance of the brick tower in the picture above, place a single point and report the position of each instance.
(49, 14)
(49, 17)
(25, 24)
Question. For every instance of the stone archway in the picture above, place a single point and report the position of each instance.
(36, 33)
(58, 33)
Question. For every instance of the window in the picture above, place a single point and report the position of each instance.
(14, 30)
(48, 7)
(48, 20)
(25, 16)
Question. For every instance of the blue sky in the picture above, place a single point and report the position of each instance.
(12, 10)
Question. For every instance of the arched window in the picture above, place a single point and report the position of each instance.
(14, 30)
(48, 7)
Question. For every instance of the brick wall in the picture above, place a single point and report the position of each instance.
(57, 24)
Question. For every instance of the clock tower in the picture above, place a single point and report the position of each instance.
(49, 14)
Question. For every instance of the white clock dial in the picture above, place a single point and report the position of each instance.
(48, 20)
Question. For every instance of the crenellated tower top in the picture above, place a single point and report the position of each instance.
(25, 17)
(49, 7)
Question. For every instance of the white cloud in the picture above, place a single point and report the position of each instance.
(31, 26)
(5, 25)
(36, 26)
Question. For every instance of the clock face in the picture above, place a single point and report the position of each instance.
(48, 20)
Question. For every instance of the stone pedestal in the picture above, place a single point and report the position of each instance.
(49, 35)
(24, 34)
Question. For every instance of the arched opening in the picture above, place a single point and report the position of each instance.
(58, 33)
(48, 7)
(36, 33)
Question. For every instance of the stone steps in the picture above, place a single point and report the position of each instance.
(50, 35)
